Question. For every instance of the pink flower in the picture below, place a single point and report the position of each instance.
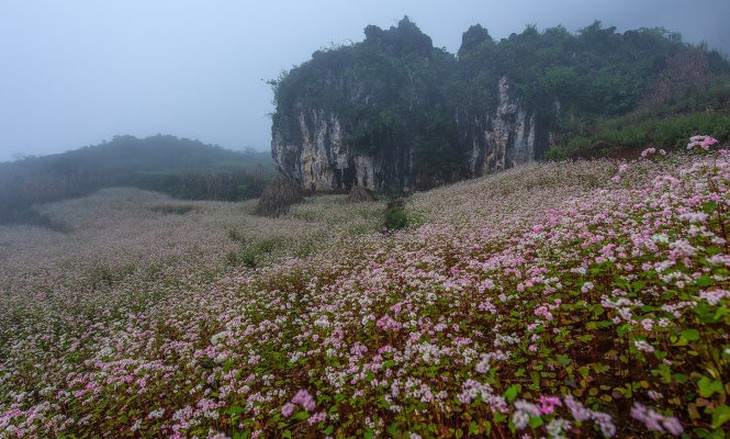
(703, 142)
(655, 421)
(288, 409)
(319, 417)
(548, 404)
(305, 399)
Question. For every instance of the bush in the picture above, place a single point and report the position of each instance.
(395, 216)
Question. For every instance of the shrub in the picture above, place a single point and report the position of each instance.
(395, 216)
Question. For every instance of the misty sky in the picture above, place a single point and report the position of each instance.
(76, 72)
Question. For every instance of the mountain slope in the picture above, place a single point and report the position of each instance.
(557, 299)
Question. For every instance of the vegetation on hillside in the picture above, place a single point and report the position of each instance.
(395, 91)
(575, 299)
(182, 168)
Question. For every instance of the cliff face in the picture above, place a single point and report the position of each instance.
(504, 138)
(309, 146)
(312, 151)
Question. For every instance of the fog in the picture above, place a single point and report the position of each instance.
(77, 72)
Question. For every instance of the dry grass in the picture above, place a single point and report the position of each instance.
(278, 197)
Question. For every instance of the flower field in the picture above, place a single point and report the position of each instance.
(575, 299)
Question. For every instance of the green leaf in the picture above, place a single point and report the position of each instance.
(300, 416)
(488, 428)
(235, 410)
(708, 387)
(369, 433)
(720, 416)
(388, 364)
(394, 429)
(691, 334)
(511, 392)
(709, 206)
(473, 428)
(535, 422)
(329, 430)
(704, 281)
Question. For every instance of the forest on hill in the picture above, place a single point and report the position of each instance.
(182, 168)
(592, 92)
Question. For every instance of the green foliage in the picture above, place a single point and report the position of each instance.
(627, 132)
(397, 95)
(182, 168)
(395, 216)
(253, 252)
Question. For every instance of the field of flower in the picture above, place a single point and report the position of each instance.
(553, 300)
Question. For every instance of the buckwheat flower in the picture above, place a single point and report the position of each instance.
(520, 419)
(136, 425)
(557, 427)
(305, 400)
(588, 286)
(694, 217)
(527, 407)
(672, 425)
(719, 259)
(579, 270)
(647, 324)
(580, 413)
(648, 151)
(605, 423)
(656, 396)
(660, 238)
(319, 417)
(287, 409)
(548, 404)
(155, 414)
(715, 296)
(643, 346)
(655, 421)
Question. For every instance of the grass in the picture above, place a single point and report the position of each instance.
(569, 299)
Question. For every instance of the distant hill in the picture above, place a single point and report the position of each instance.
(183, 168)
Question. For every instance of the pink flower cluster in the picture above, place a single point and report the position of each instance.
(655, 421)
(303, 398)
(703, 142)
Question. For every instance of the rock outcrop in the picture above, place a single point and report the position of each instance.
(309, 146)
(504, 138)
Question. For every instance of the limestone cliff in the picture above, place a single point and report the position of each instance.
(310, 147)
(504, 138)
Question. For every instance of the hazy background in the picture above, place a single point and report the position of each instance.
(76, 72)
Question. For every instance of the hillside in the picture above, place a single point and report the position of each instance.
(395, 113)
(182, 168)
(574, 299)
